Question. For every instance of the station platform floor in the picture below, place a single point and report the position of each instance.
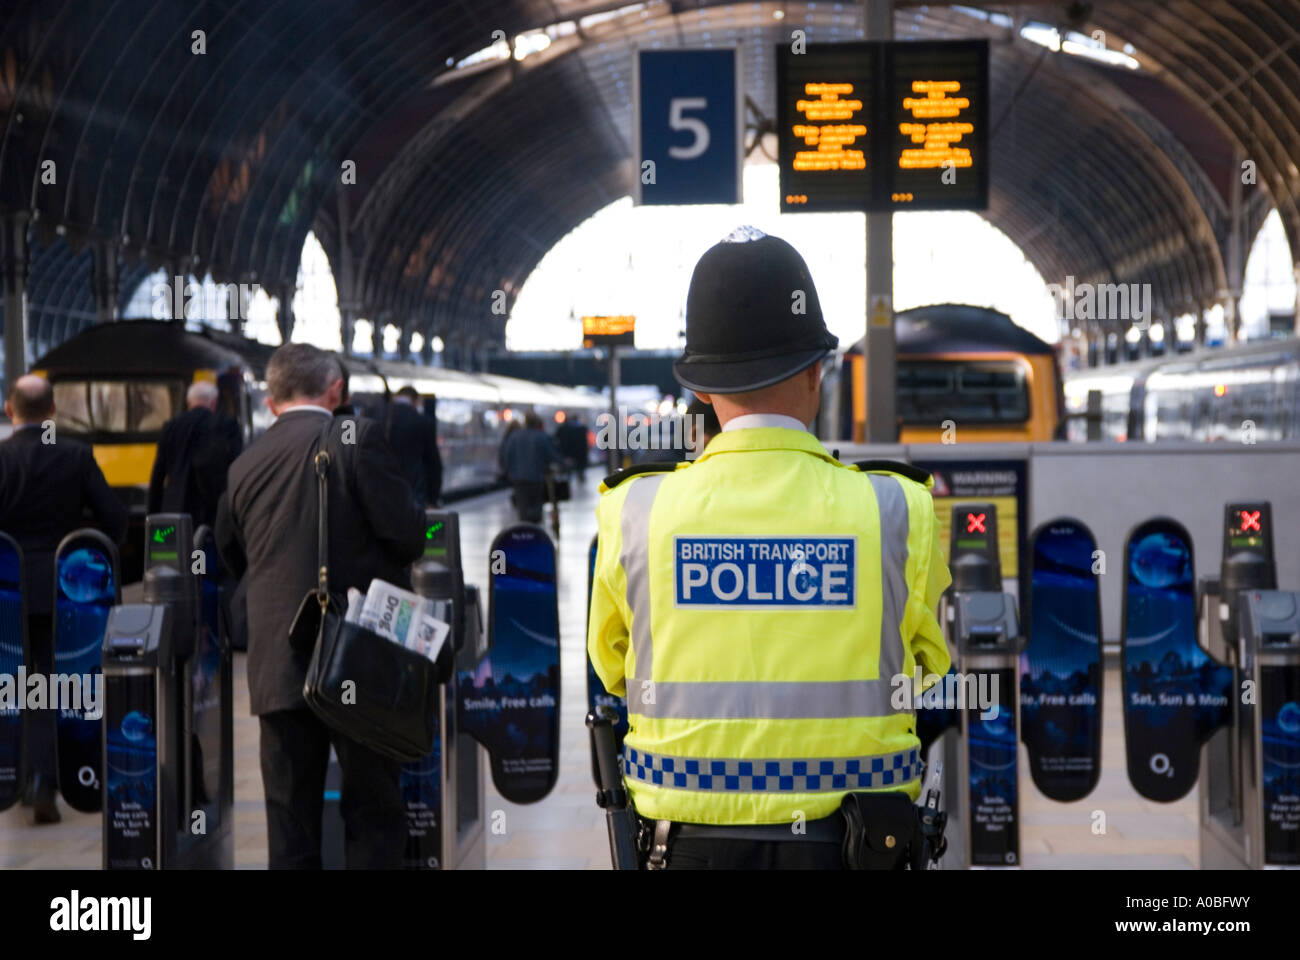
(566, 830)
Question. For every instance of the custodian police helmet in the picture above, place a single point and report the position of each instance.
(752, 316)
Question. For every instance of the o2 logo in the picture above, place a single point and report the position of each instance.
(1161, 766)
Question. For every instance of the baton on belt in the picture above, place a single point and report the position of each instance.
(611, 796)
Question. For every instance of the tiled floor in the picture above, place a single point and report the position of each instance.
(566, 830)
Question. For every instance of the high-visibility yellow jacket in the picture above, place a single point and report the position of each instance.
(755, 607)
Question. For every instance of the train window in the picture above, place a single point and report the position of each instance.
(932, 391)
(150, 406)
(72, 407)
(108, 406)
(114, 406)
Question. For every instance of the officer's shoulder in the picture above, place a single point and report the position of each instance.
(906, 470)
(640, 469)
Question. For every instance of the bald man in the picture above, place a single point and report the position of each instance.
(48, 484)
(194, 456)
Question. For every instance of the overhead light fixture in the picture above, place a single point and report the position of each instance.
(1078, 45)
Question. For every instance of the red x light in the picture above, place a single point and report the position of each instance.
(1250, 521)
(975, 523)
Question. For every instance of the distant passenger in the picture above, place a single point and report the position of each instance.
(571, 438)
(196, 450)
(700, 431)
(414, 439)
(267, 532)
(47, 482)
(511, 428)
(347, 407)
(527, 454)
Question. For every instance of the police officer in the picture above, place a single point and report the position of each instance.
(756, 605)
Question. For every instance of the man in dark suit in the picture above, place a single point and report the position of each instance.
(571, 438)
(47, 483)
(266, 531)
(194, 453)
(526, 455)
(414, 439)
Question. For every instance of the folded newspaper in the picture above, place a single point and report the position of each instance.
(401, 616)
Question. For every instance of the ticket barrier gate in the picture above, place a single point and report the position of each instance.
(443, 793)
(1250, 778)
(984, 638)
(168, 784)
(13, 657)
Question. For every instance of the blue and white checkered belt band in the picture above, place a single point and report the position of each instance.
(773, 776)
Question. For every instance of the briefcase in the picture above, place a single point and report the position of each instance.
(359, 683)
(559, 484)
(372, 690)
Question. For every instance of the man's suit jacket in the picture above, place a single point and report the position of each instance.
(189, 472)
(45, 490)
(414, 439)
(266, 532)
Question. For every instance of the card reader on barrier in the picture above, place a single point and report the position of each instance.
(168, 720)
(1249, 816)
(984, 639)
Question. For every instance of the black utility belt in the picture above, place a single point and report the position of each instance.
(874, 831)
(826, 830)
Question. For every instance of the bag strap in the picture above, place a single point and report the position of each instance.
(322, 464)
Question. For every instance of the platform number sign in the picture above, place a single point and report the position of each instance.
(688, 126)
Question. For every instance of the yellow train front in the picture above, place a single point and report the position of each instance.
(964, 373)
(116, 384)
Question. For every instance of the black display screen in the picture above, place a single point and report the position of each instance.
(825, 119)
(938, 101)
(883, 126)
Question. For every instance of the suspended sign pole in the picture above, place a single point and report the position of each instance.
(611, 333)
(881, 386)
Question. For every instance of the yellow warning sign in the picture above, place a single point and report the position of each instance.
(881, 313)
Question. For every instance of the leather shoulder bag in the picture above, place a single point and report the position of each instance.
(359, 683)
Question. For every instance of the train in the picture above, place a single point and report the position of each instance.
(1244, 393)
(116, 384)
(963, 372)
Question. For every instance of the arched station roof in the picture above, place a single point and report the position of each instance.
(217, 152)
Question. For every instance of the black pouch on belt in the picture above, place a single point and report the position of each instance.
(880, 828)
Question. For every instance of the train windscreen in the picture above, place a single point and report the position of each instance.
(104, 407)
(930, 391)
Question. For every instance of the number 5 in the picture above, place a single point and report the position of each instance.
(676, 107)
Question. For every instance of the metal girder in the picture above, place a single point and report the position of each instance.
(287, 90)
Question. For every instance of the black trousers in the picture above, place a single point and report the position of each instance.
(40, 733)
(698, 853)
(529, 500)
(295, 754)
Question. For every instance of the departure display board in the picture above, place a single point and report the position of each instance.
(608, 331)
(938, 95)
(825, 119)
(883, 126)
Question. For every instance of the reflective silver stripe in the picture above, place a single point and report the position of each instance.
(747, 700)
(783, 775)
(752, 700)
(635, 560)
(892, 502)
